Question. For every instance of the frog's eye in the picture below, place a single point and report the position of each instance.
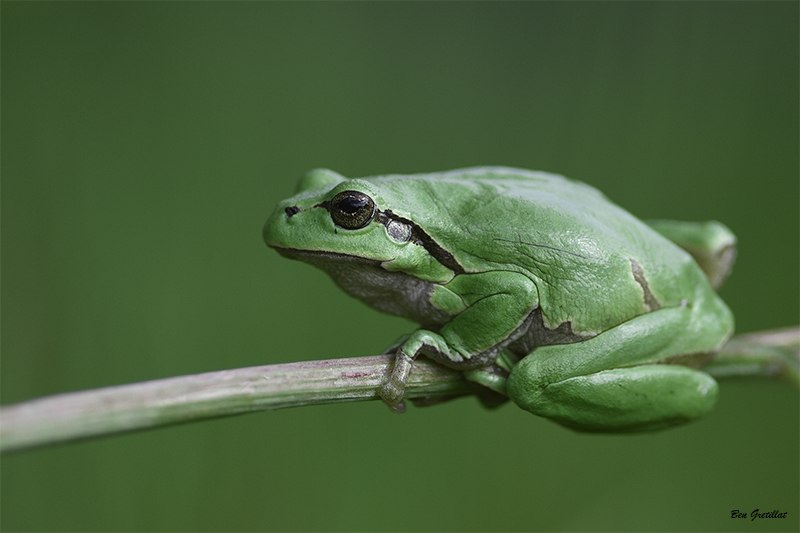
(352, 209)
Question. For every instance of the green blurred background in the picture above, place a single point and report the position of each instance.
(145, 144)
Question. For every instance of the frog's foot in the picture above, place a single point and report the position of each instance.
(393, 391)
(492, 377)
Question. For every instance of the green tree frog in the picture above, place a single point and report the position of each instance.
(535, 285)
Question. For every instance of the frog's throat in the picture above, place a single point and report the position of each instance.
(392, 292)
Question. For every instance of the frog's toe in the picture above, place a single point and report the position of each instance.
(392, 395)
(398, 408)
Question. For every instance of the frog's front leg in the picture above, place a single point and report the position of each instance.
(613, 382)
(491, 306)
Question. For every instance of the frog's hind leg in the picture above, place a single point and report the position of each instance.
(492, 377)
(494, 380)
(612, 382)
(711, 244)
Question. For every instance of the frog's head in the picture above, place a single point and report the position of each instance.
(332, 220)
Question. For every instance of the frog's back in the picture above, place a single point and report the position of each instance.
(504, 215)
(580, 249)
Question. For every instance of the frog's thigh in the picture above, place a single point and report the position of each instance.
(572, 383)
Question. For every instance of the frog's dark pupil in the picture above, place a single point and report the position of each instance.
(350, 205)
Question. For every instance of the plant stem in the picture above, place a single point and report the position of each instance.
(97, 412)
(93, 413)
(773, 354)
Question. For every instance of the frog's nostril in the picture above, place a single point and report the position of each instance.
(292, 210)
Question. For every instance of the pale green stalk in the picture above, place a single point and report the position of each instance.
(105, 411)
(773, 354)
(97, 412)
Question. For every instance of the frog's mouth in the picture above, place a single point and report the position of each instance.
(323, 259)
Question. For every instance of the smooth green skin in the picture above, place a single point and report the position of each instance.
(595, 305)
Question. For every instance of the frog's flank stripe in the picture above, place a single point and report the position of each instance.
(650, 300)
(418, 235)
